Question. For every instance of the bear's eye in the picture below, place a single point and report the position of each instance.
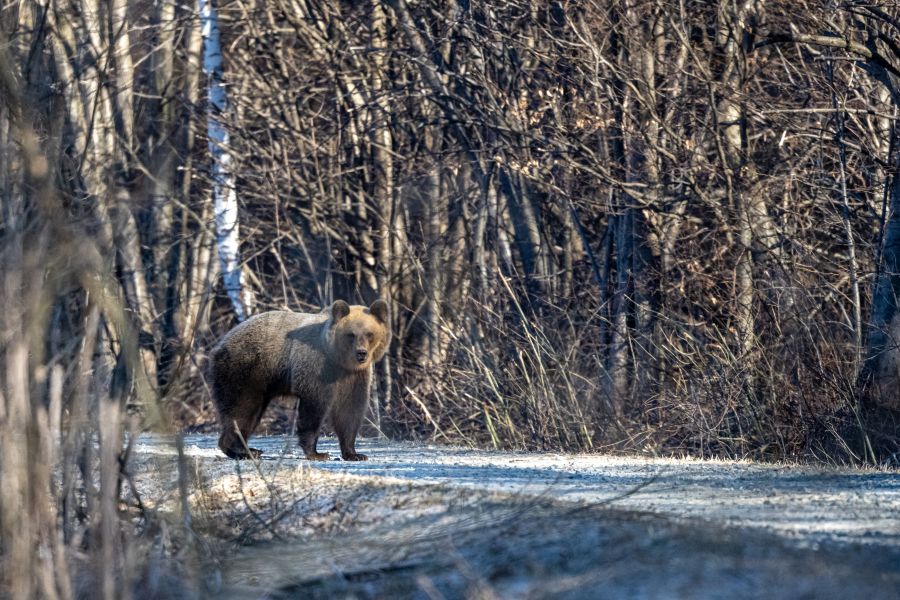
(349, 335)
(369, 335)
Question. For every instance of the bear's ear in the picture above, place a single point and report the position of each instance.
(379, 310)
(339, 310)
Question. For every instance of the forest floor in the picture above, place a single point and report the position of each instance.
(423, 521)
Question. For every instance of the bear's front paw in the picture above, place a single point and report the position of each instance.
(355, 457)
(318, 456)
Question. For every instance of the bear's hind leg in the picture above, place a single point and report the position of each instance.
(231, 445)
(237, 426)
(309, 423)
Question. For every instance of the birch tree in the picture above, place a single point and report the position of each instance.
(224, 191)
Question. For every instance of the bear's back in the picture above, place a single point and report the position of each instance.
(259, 350)
(274, 327)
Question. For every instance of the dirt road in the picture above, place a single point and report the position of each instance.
(431, 521)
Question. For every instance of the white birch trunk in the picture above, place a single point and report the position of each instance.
(225, 203)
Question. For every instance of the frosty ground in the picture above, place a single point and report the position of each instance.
(441, 522)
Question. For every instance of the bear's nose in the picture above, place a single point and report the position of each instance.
(361, 355)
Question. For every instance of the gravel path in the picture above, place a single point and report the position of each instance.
(420, 521)
(807, 506)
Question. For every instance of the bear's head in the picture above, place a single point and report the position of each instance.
(359, 336)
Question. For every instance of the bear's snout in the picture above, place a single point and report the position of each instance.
(361, 355)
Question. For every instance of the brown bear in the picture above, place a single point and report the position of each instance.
(322, 359)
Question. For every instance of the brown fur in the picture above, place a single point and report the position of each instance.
(314, 357)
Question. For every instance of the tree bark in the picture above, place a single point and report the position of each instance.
(224, 192)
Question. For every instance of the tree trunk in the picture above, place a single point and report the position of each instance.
(883, 351)
(224, 192)
(731, 123)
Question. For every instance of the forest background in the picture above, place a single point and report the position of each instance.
(665, 226)
(640, 225)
